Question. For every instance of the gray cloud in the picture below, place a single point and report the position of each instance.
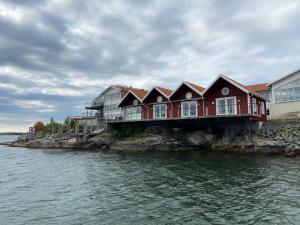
(56, 55)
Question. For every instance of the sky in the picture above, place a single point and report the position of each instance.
(56, 55)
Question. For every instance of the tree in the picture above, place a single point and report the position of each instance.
(39, 126)
(69, 124)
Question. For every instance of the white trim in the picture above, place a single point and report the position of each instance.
(285, 76)
(254, 103)
(262, 108)
(181, 109)
(226, 106)
(128, 94)
(107, 89)
(131, 119)
(166, 111)
(154, 88)
(234, 83)
(249, 103)
(187, 84)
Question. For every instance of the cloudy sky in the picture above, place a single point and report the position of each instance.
(55, 55)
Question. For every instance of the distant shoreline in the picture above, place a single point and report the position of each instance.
(11, 133)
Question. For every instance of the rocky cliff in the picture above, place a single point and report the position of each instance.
(275, 137)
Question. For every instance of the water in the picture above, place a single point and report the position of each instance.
(59, 187)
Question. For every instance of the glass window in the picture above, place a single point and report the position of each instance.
(159, 111)
(133, 113)
(226, 106)
(231, 105)
(221, 105)
(254, 106)
(189, 109)
(263, 108)
(288, 92)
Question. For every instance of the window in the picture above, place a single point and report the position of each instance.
(188, 95)
(225, 91)
(265, 94)
(262, 108)
(254, 106)
(159, 111)
(189, 109)
(288, 92)
(133, 113)
(226, 106)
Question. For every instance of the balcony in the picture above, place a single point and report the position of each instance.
(94, 105)
(206, 112)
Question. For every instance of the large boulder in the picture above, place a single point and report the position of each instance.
(199, 138)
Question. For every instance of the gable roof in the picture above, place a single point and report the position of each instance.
(164, 91)
(238, 85)
(115, 86)
(259, 87)
(121, 87)
(285, 76)
(137, 93)
(197, 88)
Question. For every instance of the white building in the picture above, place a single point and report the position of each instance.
(283, 94)
(106, 107)
(106, 103)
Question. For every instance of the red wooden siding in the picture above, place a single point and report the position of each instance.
(181, 92)
(215, 92)
(151, 100)
(179, 96)
(262, 116)
(206, 105)
(128, 100)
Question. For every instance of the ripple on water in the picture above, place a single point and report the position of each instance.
(56, 187)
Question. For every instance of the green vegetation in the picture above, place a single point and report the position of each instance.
(55, 127)
(126, 131)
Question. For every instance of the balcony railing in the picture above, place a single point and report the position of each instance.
(93, 105)
(210, 111)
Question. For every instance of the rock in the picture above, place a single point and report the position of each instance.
(197, 138)
(290, 154)
(297, 150)
(155, 130)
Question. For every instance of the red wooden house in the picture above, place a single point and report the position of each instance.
(157, 104)
(226, 97)
(132, 104)
(186, 101)
(223, 98)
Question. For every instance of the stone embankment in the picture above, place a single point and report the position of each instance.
(280, 137)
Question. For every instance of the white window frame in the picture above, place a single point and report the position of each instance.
(129, 118)
(254, 106)
(160, 117)
(226, 106)
(189, 114)
(263, 110)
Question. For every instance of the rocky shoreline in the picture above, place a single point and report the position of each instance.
(275, 138)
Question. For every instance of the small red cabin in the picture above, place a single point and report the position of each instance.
(132, 104)
(157, 104)
(186, 101)
(223, 98)
(226, 97)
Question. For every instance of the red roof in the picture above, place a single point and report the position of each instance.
(121, 87)
(243, 86)
(259, 87)
(165, 91)
(140, 93)
(137, 91)
(197, 87)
